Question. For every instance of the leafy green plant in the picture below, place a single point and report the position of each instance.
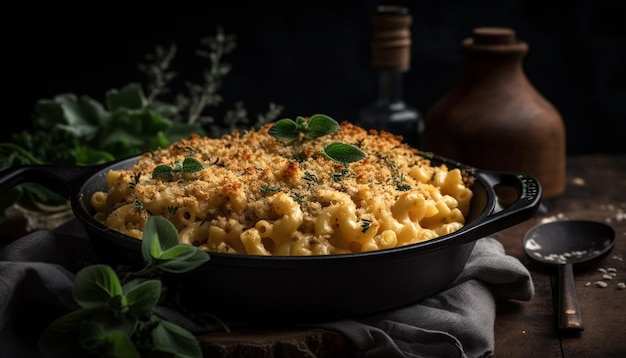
(317, 126)
(79, 130)
(117, 316)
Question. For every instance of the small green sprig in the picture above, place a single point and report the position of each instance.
(166, 172)
(269, 189)
(118, 319)
(318, 125)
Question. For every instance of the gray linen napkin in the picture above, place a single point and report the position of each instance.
(457, 322)
(36, 281)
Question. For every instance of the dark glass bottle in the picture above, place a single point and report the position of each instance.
(390, 58)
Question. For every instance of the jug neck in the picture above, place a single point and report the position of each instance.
(493, 52)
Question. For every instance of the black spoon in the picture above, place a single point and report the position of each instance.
(565, 243)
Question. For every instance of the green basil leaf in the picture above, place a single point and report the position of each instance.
(58, 339)
(192, 165)
(301, 123)
(130, 131)
(82, 116)
(320, 124)
(168, 235)
(143, 297)
(171, 338)
(343, 153)
(159, 235)
(163, 172)
(85, 155)
(114, 321)
(95, 285)
(128, 286)
(130, 96)
(155, 246)
(117, 303)
(92, 335)
(119, 345)
(178, 252)
(150, 248)
(190, 263)
(284, 129)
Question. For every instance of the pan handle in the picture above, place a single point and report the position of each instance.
(529, 193)
(59, 178)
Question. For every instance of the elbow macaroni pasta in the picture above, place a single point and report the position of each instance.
(259, 196)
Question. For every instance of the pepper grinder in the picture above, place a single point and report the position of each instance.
(493, 118)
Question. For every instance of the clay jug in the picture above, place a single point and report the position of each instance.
(493, 118)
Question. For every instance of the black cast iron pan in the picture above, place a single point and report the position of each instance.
(316, 288)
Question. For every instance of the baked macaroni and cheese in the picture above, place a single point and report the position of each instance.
(262, 193)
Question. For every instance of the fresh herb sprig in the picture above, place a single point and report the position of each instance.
(117, 317)
(317, 125)
(167, 173)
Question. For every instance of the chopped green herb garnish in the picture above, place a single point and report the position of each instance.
(365, 225)
(138, 204)
(269, 189)
(171, 210)
(342, 174)
(403, 187)
(310, 177)
(136, 180)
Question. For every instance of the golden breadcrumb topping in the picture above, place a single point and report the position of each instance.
(254, 188)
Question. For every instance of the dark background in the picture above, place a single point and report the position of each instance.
(312, 56)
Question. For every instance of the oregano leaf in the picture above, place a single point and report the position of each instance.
(301, 123)
(91, 335)
(178, 252)
(159, 234)
(170, 338)
(192, 165)
(198, 258)
(343, 153)
(163, 172)
(144, 296)
(59, 338)
(320, 124)
(120, 345)
(284, 129)
(95, 285)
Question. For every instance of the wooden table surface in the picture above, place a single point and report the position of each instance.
(596, 190)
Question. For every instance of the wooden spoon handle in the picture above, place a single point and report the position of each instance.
(569, 314)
